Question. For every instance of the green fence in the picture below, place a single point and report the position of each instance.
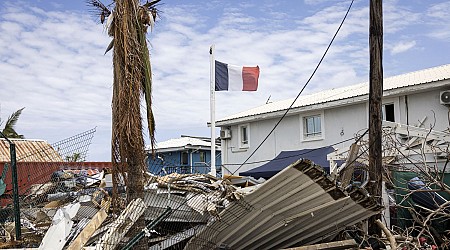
(402, 216)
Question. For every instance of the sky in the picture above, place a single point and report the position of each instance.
(52, 58)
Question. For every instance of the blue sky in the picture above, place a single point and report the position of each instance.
(52, 62)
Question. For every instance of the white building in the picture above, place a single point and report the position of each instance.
(331, 117)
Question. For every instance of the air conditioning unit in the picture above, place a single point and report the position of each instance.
(444, 97)
(225, 134)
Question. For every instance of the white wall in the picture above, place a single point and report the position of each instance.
(427, 104)
(339, 124)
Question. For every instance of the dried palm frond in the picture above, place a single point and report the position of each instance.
(128, 142)
(98, 6)
(132, 80)
(150, 5)
(99, 9)
(127, 25)
(110, 24)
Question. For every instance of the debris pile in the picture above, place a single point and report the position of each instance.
(295, 207)
(54, 213)
(300, 206)
(73, 209)
(416, 178)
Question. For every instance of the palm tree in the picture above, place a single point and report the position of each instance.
(127, 22)
(9, 129)
(75, 157)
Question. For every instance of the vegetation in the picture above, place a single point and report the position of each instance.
(9, 129)
(127, 22)
(75, 157)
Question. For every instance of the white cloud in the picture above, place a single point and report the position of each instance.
(47, 65)
(439, 19)
(403, 46)
(439, 10)
(52, 62)
(316, 2)
(397, 17)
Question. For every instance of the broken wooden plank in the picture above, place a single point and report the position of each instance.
(122, 225)
(347, 172)
(87, 232)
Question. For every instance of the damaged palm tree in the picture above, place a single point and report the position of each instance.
(127, 22)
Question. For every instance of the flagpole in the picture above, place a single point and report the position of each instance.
(212, 101)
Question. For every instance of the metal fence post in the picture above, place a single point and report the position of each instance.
(12, 150)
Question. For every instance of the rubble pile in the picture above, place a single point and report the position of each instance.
(72, 210)
(58, 209)
(299, 206)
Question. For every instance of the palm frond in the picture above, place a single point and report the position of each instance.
(99, 9)
(148, 13)
(110, 24)
(147, 85)
(9, 130)
(151, 4)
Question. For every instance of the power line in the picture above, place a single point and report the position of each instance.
(301, 91)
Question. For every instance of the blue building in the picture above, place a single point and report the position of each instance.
(185, 155)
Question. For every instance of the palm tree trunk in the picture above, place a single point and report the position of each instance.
(131, 66)
(127, 138)
(128, 142)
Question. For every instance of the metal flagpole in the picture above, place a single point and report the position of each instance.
(212, 101)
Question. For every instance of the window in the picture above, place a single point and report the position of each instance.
(244, 135)
(202, 156)
(313, 126)
(184, 158)
(388, 112)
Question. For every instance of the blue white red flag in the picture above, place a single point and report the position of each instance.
(235, 78)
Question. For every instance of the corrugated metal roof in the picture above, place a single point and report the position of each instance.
(181, 142)
(405, 80)
(29, 151)
(300, 205)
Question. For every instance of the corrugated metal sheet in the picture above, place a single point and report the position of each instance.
(29, 151)
(300, 205)
(390, 83)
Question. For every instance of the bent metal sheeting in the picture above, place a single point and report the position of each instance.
(300, 205)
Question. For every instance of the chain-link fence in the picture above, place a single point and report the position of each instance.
(66, 203)
(47, 176)
(56, 186)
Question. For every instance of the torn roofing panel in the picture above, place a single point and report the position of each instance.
(298, 206)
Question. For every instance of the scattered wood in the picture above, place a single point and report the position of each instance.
(122, 225)
(89, 230)
(388, 234)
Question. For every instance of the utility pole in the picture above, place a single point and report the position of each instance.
(375, 102)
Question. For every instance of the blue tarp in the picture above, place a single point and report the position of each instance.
(286, 158)
(430, 200)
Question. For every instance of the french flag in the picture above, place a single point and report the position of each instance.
(236, 78)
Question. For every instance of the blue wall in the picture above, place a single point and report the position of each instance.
(172, 162)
